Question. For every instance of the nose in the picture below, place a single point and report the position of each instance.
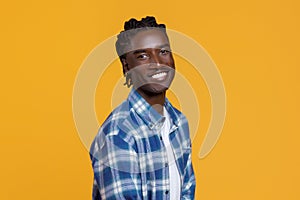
(155, 61)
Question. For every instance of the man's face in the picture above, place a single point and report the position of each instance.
(150, 62)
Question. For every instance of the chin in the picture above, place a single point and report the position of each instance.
(153, 89)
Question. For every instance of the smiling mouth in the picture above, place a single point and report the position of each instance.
(159, 75)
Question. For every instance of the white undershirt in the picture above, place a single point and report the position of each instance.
(174, 177)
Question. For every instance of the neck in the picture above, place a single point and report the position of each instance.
(155, 100)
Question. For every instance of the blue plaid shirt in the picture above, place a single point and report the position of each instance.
(129, 158)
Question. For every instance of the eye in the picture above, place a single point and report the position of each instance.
(142, 56)
(165, 51)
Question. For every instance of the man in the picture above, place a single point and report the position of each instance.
(143, 149)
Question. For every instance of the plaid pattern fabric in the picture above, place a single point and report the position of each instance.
(129, 158)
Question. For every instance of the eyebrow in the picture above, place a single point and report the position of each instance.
(144, 50)
(139, 51)
(164, 45)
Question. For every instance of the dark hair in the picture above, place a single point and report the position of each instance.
(131, 28)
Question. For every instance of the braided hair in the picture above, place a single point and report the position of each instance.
(131, 28)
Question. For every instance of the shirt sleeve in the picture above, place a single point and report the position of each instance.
(189, 183)
(116, 168)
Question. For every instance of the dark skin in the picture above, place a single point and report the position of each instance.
(151, 66)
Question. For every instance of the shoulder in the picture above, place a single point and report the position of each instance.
(116, 117)
(177, 116)
(111, 129)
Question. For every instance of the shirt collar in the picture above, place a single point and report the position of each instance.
(147, 113)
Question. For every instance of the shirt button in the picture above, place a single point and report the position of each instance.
(167, 192)
(166, 164)
(151, 125)
(160, 137)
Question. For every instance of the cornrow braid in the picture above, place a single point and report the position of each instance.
(131, 28)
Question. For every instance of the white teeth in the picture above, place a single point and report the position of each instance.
(159, 75)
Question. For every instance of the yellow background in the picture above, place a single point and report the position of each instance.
(255, 45)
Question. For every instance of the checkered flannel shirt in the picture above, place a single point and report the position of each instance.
(129, 158)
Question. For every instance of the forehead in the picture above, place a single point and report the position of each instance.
(148, 39)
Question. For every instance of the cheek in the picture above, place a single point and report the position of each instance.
(171, 63)
(138, 71)
(169, 60)
(136, 65)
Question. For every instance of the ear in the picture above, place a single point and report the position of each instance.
(124, 65)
